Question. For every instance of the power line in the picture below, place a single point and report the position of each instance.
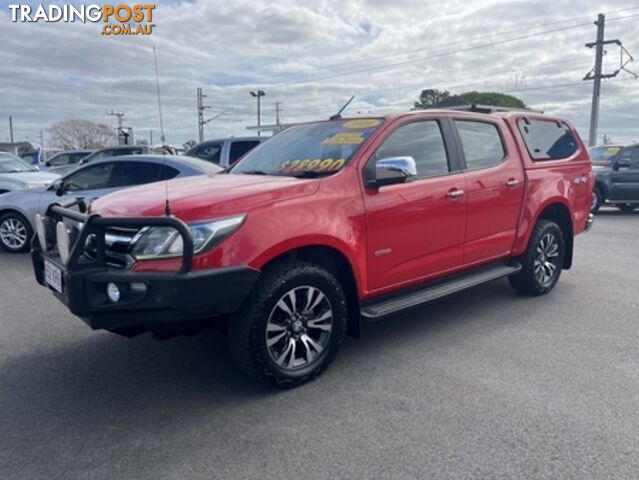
(479, 37)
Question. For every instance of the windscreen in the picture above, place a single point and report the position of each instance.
(11, 164)
(603, 156)
(308, 150)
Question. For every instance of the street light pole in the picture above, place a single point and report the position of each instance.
(258, 94)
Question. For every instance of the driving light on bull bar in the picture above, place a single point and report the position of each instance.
(113, 292)
(62, 239)
(162, 242)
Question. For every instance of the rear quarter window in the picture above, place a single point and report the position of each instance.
(547, 139)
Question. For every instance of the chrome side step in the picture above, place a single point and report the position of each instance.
(441, 289)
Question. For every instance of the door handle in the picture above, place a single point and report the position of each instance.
(512, 182)
(455, 193)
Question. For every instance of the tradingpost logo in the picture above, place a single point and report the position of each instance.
(121, 19)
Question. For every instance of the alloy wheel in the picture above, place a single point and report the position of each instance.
(13, 233)
(546, 259)
(299, 327)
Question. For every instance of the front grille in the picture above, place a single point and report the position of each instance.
(117, 246)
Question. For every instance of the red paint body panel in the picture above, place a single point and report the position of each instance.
(393, 236)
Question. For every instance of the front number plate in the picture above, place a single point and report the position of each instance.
(53, 276)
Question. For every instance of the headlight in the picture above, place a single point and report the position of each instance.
(156, 242)
(33, 185)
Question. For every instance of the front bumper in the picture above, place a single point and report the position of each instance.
(148, 300)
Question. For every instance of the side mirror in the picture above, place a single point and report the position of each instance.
(622, 163)
(392, 170)
(58, 186)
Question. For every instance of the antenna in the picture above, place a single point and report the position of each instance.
(167, 205)
(338, 115)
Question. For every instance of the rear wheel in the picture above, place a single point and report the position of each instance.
(543, 260)
(627, 207)
(15, 233)
(597, 200)
(291, 326)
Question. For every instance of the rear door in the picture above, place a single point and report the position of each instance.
(416, 229)
(495, 186)
(625, 179)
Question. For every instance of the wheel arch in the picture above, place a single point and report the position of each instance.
(336, 262)
(559, 213)
(24, 215)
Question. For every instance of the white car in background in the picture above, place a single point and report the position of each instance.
(16, 174)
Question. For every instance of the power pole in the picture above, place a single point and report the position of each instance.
(150, 137)
(41, 139)
(596, 73)
(201, 121)
(120, 116)
(200, 116)
(596, 86)
(10, 128)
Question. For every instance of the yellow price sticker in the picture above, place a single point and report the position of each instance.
(364, 123)
(344, 139)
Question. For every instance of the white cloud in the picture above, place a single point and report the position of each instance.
(312, 55)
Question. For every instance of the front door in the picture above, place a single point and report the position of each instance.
(416, 229)
(625, 176)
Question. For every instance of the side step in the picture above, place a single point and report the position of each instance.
(440, 289)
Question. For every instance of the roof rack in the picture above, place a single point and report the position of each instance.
(475, 107)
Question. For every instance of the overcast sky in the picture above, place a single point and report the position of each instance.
(311, 55)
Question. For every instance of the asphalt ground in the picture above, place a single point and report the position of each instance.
(486, 384)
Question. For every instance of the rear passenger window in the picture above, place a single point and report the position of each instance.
(547, 139)
(421, 140)
(240, 148)
(139, 173)
(481, 143)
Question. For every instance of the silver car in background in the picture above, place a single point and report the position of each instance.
(18, 209)
(16, 174)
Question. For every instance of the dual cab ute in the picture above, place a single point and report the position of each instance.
(325, 224)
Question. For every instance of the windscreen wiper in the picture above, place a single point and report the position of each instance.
(255, 172)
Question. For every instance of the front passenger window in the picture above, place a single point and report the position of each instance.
(89, 178)
(421, 140)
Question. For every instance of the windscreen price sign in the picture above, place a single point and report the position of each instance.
(115, 19)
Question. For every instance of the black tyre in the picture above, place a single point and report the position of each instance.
(627, 207)
(597, 200)
(543, 260)
(15, 233)
(291, 326)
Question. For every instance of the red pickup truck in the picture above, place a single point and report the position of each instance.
(324, 225)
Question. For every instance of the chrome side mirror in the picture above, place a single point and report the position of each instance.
(389, 171)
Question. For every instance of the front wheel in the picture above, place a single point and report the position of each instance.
(597, 200)
(543, 260)
(15, 233)
(291, 326)
(627, 207)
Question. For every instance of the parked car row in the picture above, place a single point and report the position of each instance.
(223, 152)
(19, 207)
